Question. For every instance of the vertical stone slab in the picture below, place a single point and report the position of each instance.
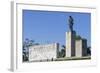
(81, 47)
(78, 48)
(57, 50)
(84, 47)
(70, 43)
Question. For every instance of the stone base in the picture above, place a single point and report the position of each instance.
(70, 43)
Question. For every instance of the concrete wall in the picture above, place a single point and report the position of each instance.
(43, 52)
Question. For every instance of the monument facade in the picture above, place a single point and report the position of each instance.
(43, 52)
(81, 47)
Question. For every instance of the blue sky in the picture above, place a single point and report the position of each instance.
(48, 27)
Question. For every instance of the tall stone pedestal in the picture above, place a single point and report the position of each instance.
(70, 43)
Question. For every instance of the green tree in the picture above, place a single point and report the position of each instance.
(89, 50)
(26, 44)
(77, 37)
(62, 52)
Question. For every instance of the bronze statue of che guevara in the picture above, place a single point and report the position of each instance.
(70, 23)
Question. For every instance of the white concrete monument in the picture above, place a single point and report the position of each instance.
(81, 47)
(70, 37)
(43, 52)
(74, 47)
(70, 43)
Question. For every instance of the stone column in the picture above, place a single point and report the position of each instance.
(81, 47)
(70, 43)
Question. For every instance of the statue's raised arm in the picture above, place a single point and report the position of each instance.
(70, 23)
